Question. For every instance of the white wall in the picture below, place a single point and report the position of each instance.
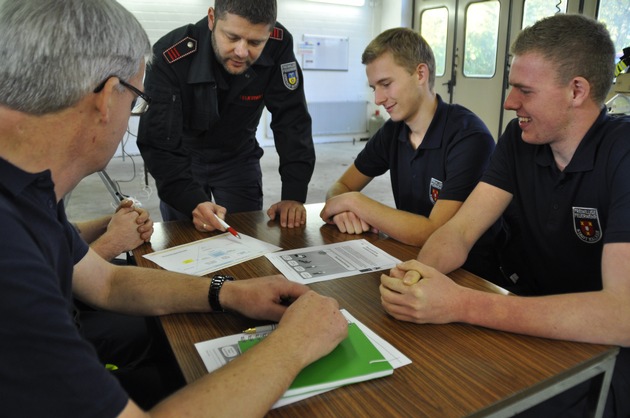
(359, 24)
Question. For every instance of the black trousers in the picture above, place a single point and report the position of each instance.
(136, 351)
(235, 185)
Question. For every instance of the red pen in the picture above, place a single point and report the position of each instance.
(228, 227)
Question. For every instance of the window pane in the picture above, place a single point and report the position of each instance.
(614, 14)
(480, 44)
(534, 10)
(434, 29)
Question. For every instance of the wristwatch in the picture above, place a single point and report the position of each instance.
(215, 287)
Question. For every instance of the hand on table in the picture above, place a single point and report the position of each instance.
(262, 297)
(292, 213)
(313, 325)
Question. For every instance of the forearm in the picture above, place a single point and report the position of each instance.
(403, 226)
(408, 228)
(296, 170)
(235, 390)
(106, 248)
(294, 190)
(294, 144)
(336, 189)
(593, 317)
(92, 229)
(152, 292)
(444, 250)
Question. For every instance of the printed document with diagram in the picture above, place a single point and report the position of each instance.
(211, 254)
(332, 261)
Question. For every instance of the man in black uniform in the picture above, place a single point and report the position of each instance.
(209, 83)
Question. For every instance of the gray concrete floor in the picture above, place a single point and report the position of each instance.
(90, 199)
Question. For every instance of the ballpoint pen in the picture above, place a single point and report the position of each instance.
(228, 227)
(261, 329)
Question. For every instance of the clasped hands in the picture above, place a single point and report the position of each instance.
(337, 211)
(128, 218)
(418, 293)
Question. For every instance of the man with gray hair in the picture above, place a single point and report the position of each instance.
(70, 73)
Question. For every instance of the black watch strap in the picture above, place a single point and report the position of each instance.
(215, 287)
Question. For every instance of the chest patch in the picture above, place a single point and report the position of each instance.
(586, 224)
(290, 75)
(435, 187)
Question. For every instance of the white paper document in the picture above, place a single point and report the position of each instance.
(332, 261)
(211, 254)
(220, 351)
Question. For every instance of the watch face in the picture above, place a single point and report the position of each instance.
(222, 277)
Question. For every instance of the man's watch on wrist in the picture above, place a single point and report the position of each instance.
(215, 287)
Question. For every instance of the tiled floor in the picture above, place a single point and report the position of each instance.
(91, 199)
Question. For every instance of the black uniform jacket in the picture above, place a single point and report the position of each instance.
(196, 109)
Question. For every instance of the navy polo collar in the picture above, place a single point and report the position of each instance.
(584, 157)
(435, 131)
(15, 180)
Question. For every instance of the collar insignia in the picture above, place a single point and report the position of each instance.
(277, 34)
(181, 49)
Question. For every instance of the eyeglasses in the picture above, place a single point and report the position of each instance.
(139, 105)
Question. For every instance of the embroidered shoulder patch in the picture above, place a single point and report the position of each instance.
(586, 223)
(290, 75)
(181, 49)
(277, 34)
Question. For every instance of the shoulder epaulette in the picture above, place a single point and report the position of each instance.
(277, 34)
(181, 49)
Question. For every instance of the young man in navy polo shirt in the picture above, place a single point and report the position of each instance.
(436, 152)
(560, 177)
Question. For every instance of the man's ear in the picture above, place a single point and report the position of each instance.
(581, 89)
(211, 18)
(104, 99)
(422, 71)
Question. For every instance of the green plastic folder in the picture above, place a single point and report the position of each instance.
(354, 360)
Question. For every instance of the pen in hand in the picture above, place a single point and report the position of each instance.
(228, 227)
(261, 329)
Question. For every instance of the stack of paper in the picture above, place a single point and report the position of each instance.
(361, 356)
(355, 359)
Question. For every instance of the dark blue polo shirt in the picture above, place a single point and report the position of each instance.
(447, 165)
(48, 369)
(560, 221)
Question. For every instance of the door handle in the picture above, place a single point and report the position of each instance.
(450, 84)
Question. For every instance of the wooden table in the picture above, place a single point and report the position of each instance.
(457, 370)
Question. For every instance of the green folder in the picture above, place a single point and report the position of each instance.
(354, 360)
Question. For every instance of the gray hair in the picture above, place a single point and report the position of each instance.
(55, 52)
